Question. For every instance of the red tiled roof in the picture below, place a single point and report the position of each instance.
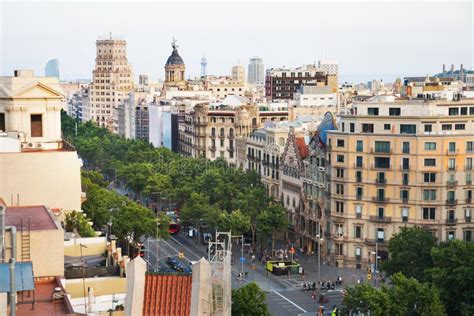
(167, 295)
(302, 147)
(40, 218)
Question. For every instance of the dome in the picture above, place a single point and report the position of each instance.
(174, 58)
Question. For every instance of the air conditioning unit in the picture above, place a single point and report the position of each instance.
(321, 169)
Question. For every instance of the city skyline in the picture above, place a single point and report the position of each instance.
(334, 35)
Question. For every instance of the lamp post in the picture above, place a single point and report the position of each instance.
(83, 280)
(319, 256)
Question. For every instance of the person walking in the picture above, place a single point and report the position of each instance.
(334, 311)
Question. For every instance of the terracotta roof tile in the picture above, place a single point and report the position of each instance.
(167, 295)
(40, 218)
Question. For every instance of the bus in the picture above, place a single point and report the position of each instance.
(173, 228)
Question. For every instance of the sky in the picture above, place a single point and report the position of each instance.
(370, 40)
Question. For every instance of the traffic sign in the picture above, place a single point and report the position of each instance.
(242, 259)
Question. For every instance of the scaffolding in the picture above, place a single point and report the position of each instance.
(219, 257)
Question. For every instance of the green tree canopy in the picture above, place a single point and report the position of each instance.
(410, 252)
(236, 222)
(453, 274)
(249, 300)
(364, 298)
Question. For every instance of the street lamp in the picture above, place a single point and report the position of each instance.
(83, 280)
(319, 257)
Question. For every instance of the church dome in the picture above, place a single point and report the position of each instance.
(174, 58)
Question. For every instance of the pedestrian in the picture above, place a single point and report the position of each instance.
(313, 295)
(334, 311)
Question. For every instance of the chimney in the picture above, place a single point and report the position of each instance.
(452, 69)
(444, 69)
(461, 73)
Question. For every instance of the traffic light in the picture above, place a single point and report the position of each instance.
(181, 255)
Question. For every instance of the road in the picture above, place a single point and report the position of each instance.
(284, 295)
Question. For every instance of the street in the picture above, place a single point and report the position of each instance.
(284, 294)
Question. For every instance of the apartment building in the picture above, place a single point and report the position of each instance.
(112, 80)
(283, 83)
(221, 87)
(210, 130)
(396, 164)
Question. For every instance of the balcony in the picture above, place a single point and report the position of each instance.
(467, 167)
(405, 200)
(230, 136)
(230, 148)
(381, 181)
(468, 219)
(213, 135)
(468, 200)
(451, 201)
(358, 215)
(200, 123)
(452, 168)
(359, 197)
(380, 219)
(405, 168)
(468, 182)
(372, 242)
(221, 136)
(451, 183)
(451, 221)
(452, 152)
(374, 167)
(374, 151)
(379, 199)
(358, 166)
(213, 148)
(265, 162)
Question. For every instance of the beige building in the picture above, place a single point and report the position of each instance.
(112, 80)
(396, 164)
(37, 166)
(223, 87)
(238, 73)
(212, 130)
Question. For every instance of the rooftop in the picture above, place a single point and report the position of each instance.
(38, 215)
(167, 295)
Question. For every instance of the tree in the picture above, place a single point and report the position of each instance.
(408, 296)
(410, 252)
(77, 221)
(236, 222)
(249, 300)
(405, 296)
(453, 274)
(272, 221)
(364, 298)
(195, 209)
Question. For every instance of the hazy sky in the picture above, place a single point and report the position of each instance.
(369, 40)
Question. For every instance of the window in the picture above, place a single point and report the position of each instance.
(367, 128)
(358, 210)
(339, 207)
(339, 188)
(339, 249)
(452, 164)
(359, 176)
(404, 194)
(2, 122)
(380, 235)
(352, 127)
(451, 195)
(386, 127)
(452, 147)
(358, 252)
(360, 146)
(36, 121)
(380, 212)
(382, 162)
(394, 111)
(430, 146)
(340, 158)
(453, 111)
(469, 146)
(380, 194)
(407, 129)
(340, 143)
(359, 192)
(446, 127)
(405, 179)
(429, 213)
(382, 147)
(430, 162)
(429, 195)
(428, 128)
(406, 147)
(359, 162)
(467, 213)
(372, 111)
(340, 230)
(450, 235)
(406, 163)
(405, 214)
(467, 235)
(357, 231)
(222, 143)
(459, 127)
(429, 177)
(468, 165)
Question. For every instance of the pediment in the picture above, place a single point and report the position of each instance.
(37, 90)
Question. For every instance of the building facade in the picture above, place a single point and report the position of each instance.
(256, 71)
(175, 71)
(283, 83)
(112, 80)
(397, 164)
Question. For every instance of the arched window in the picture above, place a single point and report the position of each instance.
(213, 132)
(222, 132)
(231, 132)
